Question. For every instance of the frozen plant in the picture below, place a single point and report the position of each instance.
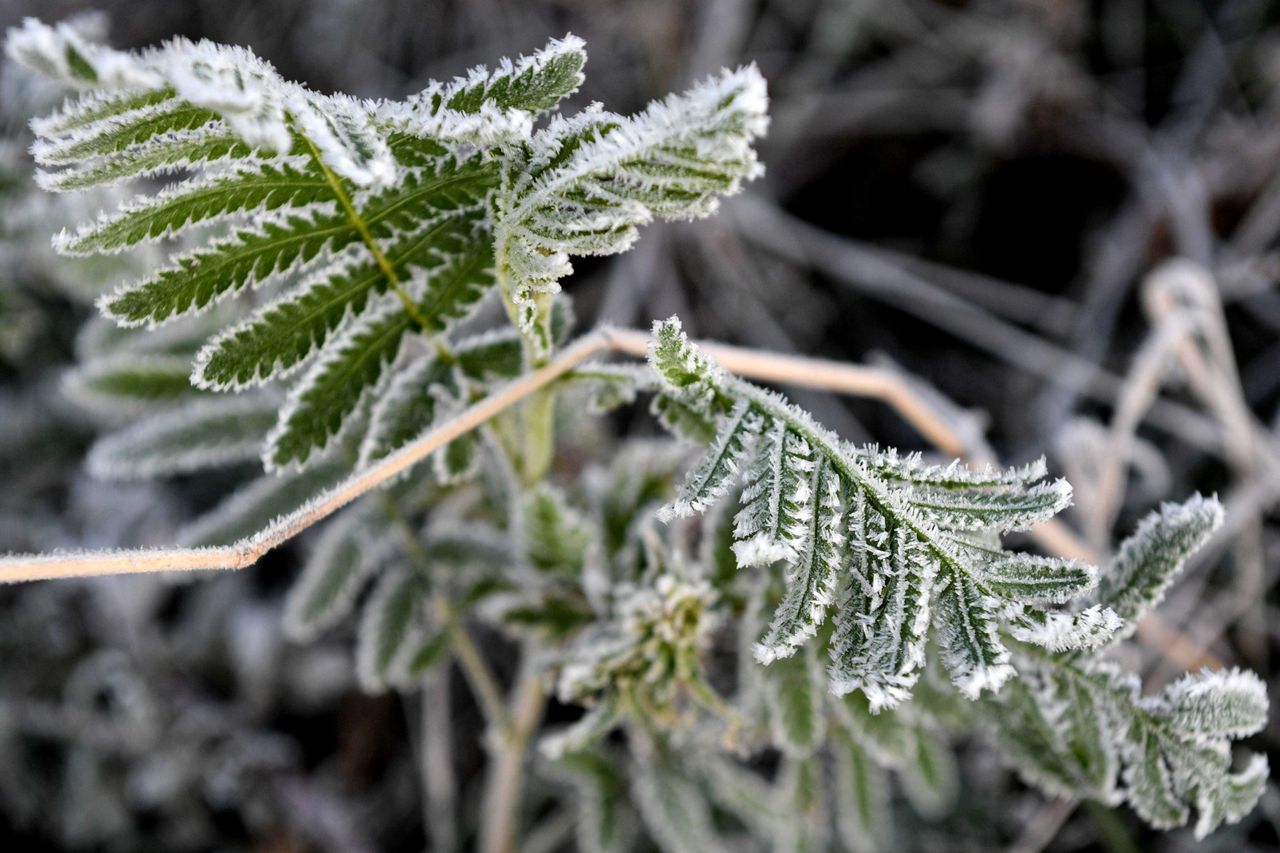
(331, 257)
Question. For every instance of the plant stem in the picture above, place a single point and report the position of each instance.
(807, 372)
(504, 786)
(538, 422)
(366, 236)
(479, 677)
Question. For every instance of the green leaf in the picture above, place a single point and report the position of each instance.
(797, 704)
(1149, 560)
(889, 739)
(883, 614)
(243, 513)
(1087, 734)
(1149, 782)
(1037, 580)
(325, 592)
(489, 357)
(203, 434)
(385, 642)
(673, 806)
(532, 83)
(93, 106)
(421, 394)
(606, 821)
(813, 576)
(1032, 742)
(257, 187)
(999, 511)
(758, 804)
(431, 652)
(130, 383)
(909, 534)
(169, 153)
(806, 830)
(682, 420)
(1068, 724)
(638, 478)
(912, 469)
(280, 336)
(333, 388)
(252, 256)
(967, 631)
(776, 499)
(354, 365)
(556, 536)
(930, 780)
(1222, 704)
(861, 799)
(713, 477)
(116, 132)
(688, 376)
(593, 179)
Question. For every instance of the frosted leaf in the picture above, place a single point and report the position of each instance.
(1149, 560)
(996, 510)
(1038, 580)
(1087, 630)
(687, 374)
(882, 617)
(812, 578)
(714, 476)
(1082, 729)
(62, 53)
(244, 90)
(345, 556)
(391, 628)
(342, 131)
(797, 704)
(674, 807)
(592, 180)
(914, 546)
(1227, 703)
(776, 499)
(200, 435)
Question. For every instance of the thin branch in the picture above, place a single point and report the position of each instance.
(808, 372)
(877, 383)
(505, 782)
(479, 677)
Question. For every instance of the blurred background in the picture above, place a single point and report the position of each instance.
(1058, 218)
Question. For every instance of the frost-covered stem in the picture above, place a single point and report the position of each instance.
(247, 551)
(362, 228)
(822, 374)
(806, 372)
(504, 786)
(539, 438)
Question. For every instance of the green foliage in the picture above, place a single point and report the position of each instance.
(1149, 560)
(1081, 728)
(380, 221)
(374, 230)
(886, 540)
(199, 435)
(585, 184)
